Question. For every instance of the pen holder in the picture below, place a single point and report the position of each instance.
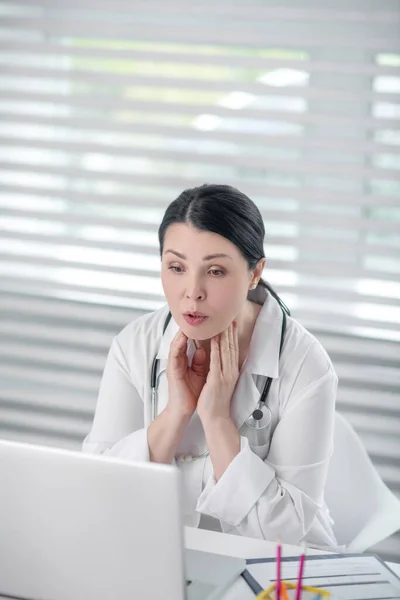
(289, 592)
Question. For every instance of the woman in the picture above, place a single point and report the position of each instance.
(259, 474)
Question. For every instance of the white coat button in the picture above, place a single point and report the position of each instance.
(185, 457)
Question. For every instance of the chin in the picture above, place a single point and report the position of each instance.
(200, 333)
(193, 333)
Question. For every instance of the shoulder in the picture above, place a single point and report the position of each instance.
(304, 359)
(306, 346)
(142, 335)
(136, 345)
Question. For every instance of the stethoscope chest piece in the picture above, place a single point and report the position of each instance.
(260, 418)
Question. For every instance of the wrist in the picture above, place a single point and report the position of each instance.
(223, 441)
(177, 415)
(215, 422)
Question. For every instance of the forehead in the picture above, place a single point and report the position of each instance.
(187, 239)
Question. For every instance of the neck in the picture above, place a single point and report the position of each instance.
(246, 321)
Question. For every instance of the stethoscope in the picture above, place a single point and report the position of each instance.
(261, 416)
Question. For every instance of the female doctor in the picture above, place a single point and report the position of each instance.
(236, 393)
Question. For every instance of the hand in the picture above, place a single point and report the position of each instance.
(216, 395)
(184, 383)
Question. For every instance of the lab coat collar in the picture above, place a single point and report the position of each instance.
(262, 358)
(167, 338)
(263, 355)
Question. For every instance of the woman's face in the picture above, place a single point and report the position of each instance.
(203, 272)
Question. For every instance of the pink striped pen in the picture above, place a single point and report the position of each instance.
(301, 571)
(278, 570)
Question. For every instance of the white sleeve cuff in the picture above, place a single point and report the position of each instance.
(240, 487)
(132, 447)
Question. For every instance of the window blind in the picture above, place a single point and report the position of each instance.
(108, 113)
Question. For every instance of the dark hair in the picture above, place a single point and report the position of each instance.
(224, 210)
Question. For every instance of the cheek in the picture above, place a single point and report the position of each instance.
(173, 296)
(168, 284)
(230, 296)
(227, 304)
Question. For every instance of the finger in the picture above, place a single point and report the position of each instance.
(215, 356)
(231, 344)
(178, 344)
(199, 361)
(236, 342)
(177, 357)
(224, 352)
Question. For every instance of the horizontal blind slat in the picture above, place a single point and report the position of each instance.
(45, 399)
(305, 194)
(62, 124)
(300, 217)
(356, 120)
(375, 14)
(212, 34)
(105, 100)
(59, 380)
(191, 57)
(163, 181)
(57, 310)
(292, 167)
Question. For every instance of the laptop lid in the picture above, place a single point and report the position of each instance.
(88, 527)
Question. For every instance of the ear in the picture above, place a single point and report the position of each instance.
(257, 273)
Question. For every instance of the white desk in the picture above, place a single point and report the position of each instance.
(243, 547)
(236, 545)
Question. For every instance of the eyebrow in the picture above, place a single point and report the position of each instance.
(208, 257)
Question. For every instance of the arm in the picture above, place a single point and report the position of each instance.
(118, 426)
(164, 435)
(213, 408)
(279, 497)
(184, 386)
(223, 442)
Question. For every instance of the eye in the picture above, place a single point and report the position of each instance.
(173, 269)
(216, 272)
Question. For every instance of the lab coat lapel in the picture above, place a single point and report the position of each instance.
(166, 339)
(262, 359)
(245, 398)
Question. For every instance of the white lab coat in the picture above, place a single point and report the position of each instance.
(271, 490)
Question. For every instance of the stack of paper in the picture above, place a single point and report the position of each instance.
(345, 576)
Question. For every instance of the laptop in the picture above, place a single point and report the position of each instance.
(75, 526)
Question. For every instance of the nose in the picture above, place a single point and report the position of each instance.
(194, 291)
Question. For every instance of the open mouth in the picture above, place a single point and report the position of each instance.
(194, 319)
